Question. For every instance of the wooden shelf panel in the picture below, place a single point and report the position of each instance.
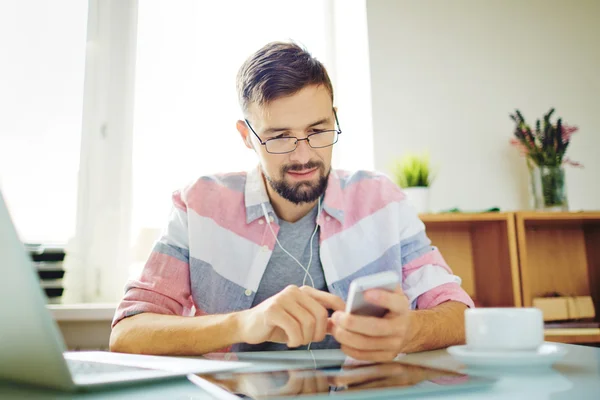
(533, 219)
(556, 262)
(559, 252)
(575, 336)
(558, 216)
(481, 249)
(465, 217)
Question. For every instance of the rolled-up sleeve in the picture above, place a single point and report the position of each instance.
(427, 280)
(164, 284)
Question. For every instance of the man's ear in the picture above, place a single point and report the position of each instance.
(244, 133)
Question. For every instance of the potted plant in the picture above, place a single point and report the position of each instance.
(413, 174)
(544, 150)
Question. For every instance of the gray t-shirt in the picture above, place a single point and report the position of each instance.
(282, 271)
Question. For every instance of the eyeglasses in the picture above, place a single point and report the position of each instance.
(287, 144)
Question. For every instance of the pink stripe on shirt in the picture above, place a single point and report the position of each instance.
(440, 294)
(224, 206)
(163, 288)
(371, 194)
(443, 293)
(177, 201)
(433, 257)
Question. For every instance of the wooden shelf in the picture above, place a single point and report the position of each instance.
(507, 259)
(559, 252)
(481, 248)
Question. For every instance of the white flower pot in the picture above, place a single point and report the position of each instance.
(418, 197)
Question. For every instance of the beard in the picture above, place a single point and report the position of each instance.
(300, 192)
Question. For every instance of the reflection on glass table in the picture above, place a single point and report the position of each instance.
(365, 379)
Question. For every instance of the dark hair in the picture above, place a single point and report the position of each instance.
(277, 70)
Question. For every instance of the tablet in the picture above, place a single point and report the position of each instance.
(350, 381)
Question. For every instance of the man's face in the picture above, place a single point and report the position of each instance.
(300, 176)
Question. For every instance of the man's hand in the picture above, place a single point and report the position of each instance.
(371, 338)
(295, 316)
(390, 374)
(300, 383)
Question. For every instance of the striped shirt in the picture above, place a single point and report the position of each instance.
(215, 249)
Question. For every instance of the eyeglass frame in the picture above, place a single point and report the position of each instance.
(338, 131)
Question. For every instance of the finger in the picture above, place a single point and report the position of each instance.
(322, 384)
(330, 326)
(278, 336)
(385, 369)
(359, 341)
(319, 314)
(376, 384)
(328, 300)
(290, 326)
(358, 375)
(369, 355)
(292, 387)
(310, 386)
(369, 326)
(395, 301)
(304, 318)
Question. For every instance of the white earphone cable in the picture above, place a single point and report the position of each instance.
(306, 269)
(312, 283)
(311, 248)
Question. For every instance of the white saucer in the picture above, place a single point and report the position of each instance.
(546, 355)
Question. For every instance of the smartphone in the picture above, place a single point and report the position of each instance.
(356, 303)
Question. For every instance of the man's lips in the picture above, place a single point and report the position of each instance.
(303, 173)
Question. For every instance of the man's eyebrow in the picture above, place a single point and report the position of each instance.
(275, 130)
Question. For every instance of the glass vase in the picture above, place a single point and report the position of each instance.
(548, 188)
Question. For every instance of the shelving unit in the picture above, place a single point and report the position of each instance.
(481, 249)
(507, 259)
(560, 253)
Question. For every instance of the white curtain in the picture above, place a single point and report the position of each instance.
(99, 253)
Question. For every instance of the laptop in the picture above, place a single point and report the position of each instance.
(32, 349)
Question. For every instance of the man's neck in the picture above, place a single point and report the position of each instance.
(285, 209)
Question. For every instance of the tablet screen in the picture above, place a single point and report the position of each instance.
(360, 380)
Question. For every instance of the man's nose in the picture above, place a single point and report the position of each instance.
(303, 152)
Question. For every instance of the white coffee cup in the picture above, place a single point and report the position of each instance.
(501, 329)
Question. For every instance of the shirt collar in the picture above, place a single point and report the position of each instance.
(255, 194)
(333, 202)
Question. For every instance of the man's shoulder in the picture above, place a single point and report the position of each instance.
(216, 184)
(367, 190)
(371, 178)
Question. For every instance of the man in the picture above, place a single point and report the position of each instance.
(263, 260)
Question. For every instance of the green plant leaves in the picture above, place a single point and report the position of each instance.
(413, 170)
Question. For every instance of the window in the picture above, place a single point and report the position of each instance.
(169, 66)
(185, 98)
(42, 47)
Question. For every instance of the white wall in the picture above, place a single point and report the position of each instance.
(349, 71)
(445, 76)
